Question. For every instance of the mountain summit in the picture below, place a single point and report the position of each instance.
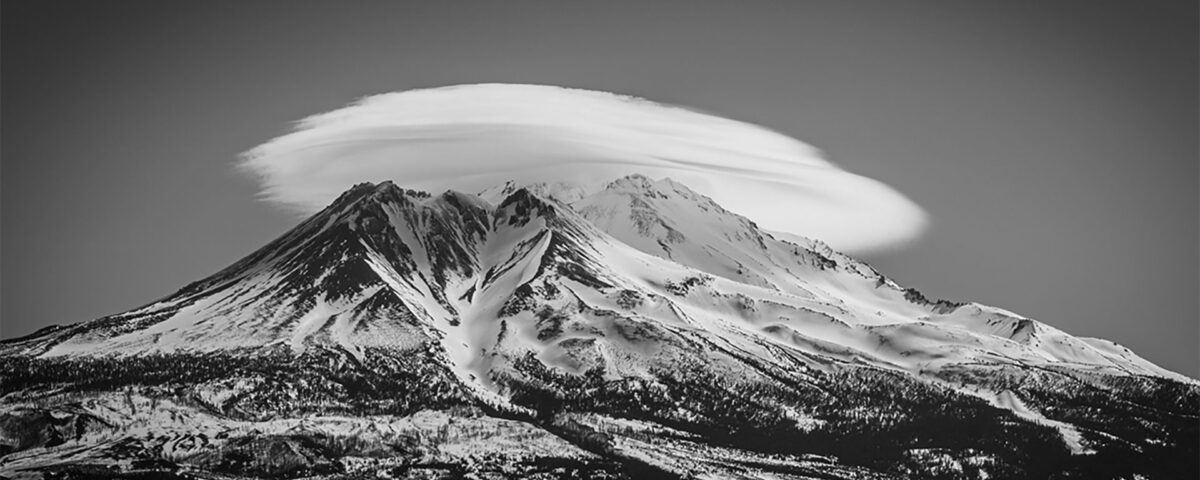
(636, 329)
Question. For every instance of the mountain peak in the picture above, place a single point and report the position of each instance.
(638, 184)
(559, 191)
(355, 192)
(665, 188)
(368, 192)
(642, 300)
(634, 181)
(522, 205)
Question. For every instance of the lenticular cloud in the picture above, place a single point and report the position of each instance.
(472, 137)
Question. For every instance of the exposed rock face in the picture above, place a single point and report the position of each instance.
(638, 331)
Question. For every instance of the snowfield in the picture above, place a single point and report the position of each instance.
(639, 327)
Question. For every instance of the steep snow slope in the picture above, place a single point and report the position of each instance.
(639, 301)
(895, 326)
(388, 267)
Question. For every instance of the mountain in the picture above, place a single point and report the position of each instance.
(629, 330)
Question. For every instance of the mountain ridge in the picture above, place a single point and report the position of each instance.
(570, 310)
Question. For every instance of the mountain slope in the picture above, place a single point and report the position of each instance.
(668, 220)
(641, 323)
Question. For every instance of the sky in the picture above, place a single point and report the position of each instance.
(1052, 144)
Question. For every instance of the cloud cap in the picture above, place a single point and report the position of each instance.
(471, 137)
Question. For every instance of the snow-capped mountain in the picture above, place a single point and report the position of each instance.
(629, 329)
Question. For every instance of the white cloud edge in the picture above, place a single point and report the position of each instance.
(470, 137)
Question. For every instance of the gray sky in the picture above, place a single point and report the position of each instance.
(1054, 143)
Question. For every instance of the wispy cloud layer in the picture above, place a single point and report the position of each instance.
(471, 137)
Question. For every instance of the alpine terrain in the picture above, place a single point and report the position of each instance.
(638, 330)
